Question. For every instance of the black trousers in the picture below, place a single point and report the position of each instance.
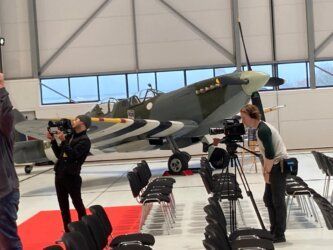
(69, 186)
(274, 199)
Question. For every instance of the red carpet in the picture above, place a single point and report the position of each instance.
(44, 228)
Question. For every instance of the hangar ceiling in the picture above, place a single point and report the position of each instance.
(48, 38)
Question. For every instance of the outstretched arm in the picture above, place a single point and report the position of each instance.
(6, 107)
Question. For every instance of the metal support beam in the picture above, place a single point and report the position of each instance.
(273, 37)
(311, 42)
(235, 34)
(206, 37)
(34, 44)
(323, 44)
(135, 35)
(74, 35)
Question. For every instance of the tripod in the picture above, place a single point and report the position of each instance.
(226, 179)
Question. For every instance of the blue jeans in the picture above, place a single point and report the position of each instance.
(9, 238)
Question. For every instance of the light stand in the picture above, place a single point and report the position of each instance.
(2, 43)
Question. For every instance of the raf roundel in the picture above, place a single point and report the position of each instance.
(149, 106)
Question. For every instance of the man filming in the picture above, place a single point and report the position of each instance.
(71, 154)
(273, 151)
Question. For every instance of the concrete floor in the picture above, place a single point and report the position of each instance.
(106, 184)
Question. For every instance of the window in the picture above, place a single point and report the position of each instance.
(223, 71)
(133, 84)
(145, 79)
(84, 89)
(169, 81)
(112, 86)
(294, 74)
(193, 76)
(55, 91)
(324, 73)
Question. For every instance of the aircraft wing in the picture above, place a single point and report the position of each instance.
(108, 132)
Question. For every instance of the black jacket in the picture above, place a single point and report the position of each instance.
(8, 176)
(71, 154)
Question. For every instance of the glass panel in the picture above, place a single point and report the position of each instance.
(169, 81)
(294, 75)
(197, 75)
(133, 84)
(112, 86)
(324, 74)
(84, 88)
(59, 85)
(223, 71)
(145, 79)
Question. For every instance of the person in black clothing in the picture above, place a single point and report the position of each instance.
(71, 154)
(9, 183)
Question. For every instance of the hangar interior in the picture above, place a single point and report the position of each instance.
(61, 57)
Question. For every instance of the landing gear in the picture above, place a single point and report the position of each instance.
(178, 162)
(28, 169)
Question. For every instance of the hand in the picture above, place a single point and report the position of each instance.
(49, 136)
(216, 141)
(266, 177)
(2, 81)
(61, 135)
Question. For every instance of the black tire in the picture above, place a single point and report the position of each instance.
(177, 163)
(219, 158)
(28, 169)
(187, 155)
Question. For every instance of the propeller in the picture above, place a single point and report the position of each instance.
(272, 82)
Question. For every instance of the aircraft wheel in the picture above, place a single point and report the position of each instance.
(28, 169)
(187, 155)
(177, 163)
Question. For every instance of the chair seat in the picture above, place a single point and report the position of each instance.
(145, 239)
(154, 197)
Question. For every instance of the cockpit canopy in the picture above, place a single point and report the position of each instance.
(105, 106)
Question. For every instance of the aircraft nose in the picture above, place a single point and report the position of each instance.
(256, 81)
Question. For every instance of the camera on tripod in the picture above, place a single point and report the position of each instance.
(232, 129)
(63, 125)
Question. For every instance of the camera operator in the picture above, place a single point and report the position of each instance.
(9, 184)
(273, 151)
(71, 154)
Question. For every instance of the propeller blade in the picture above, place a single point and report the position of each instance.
(256, 100)
(242, 37)
(274, 82)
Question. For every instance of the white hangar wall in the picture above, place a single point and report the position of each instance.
(156, 37)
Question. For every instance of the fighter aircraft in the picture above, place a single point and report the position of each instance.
(168, 120)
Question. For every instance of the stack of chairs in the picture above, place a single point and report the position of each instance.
(296, 188)
(216, 235)
(147, 191)
(222, 186)
(325, 163)
(326, 208)
(94, 232)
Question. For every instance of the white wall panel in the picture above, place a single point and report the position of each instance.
(255, 20)
(104, 45)
(323, 25)
(291, 39)
(15, 28)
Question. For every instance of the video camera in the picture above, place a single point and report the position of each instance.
(63, 125)
(232, 129)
